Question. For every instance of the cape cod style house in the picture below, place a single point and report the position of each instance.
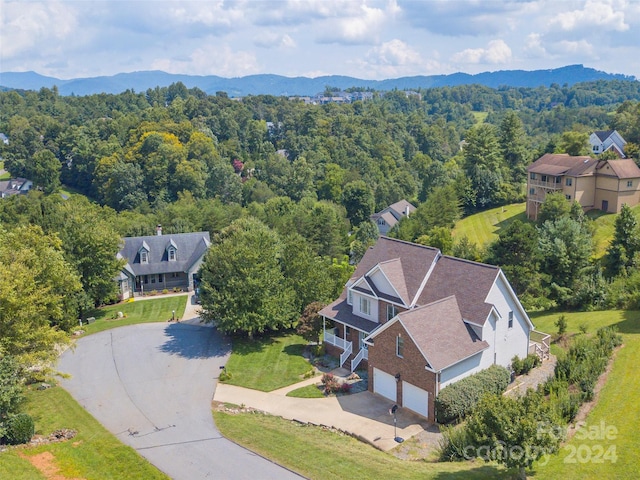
(593, 183)
(161, 262)
(421, 320)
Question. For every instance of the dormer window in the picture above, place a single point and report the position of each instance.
(365, 307)
(172, 254)
(349, 297)
(144, 256)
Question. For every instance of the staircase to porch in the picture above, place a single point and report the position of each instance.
(347, 358)
(539, 344)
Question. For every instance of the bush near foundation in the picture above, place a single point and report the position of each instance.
(456, 401)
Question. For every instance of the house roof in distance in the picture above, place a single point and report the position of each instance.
(562, 164)
(623, 168)
(189, 248)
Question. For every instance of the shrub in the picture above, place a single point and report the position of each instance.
(165, 291)
(561, 323)
(516, 365)
(224, 375)
(331, 383)
(583, 327)
(457, 400)
(345, 387)
(452, 444)
(19, 429)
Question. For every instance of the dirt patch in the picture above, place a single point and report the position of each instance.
(586, 407)
(45, 462)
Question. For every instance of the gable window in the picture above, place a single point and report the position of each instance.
(392, 311)
(399, 346)
(381, 221)
(629, 183)
(144, 256)
(510, 319)
(172, 254)
(365, 307)
(569, 182)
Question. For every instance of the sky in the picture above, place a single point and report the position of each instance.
(368, 39)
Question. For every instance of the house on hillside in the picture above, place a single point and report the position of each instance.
(15, 186)
(593, 183)
(607, 140)
(421, 320)
(386, 219)
(161, 262)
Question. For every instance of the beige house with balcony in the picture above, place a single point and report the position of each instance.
(593, 183)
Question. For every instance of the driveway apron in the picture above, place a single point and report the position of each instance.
(151, 385)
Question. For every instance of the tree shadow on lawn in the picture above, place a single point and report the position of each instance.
(482, 472)
(630, 324)
(191, 341)
(246, 346)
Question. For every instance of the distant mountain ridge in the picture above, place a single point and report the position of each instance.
(268, 84)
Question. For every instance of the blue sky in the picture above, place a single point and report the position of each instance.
(371, 39)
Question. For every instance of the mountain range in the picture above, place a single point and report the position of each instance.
(268, 84)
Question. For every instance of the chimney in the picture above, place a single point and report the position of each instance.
(406, 210)
(159, 229)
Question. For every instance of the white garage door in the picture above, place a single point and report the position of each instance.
(384, 384)
(415, 399)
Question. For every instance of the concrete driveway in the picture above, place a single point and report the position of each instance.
(151, 385)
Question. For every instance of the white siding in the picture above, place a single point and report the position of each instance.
(373, 307)
(382, 283)
(506, 342)
(460, 370)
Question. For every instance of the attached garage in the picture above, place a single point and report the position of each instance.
(415, 399)
(384, 384)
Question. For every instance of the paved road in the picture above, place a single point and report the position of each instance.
(151, 385)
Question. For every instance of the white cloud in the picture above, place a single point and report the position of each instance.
(361, 26)
(211, 60)
(497, 52)
(274, 40)
(533, 45)
(394, 53)
(579, 48)
(28, 26)
(601, 14)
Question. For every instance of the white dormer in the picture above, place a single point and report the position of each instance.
(144, 253)
(172, 251)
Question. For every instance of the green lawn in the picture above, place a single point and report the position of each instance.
(484, 227)
(141, 311)
(617, 407)
(267, 363)
(318, 453)
(93, 454)
(310, 391)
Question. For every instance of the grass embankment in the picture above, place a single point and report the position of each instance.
(93, 454)
(484, 227)
(267, 363)
(141, 311)
(322, 454)
(617, 406)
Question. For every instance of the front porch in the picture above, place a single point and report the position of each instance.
(343, 349)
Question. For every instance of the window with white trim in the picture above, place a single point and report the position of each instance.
(510, 320)
(144, 256)
(569, 182)
(349, 297)
(399, 346)
(172, 254)
(392, 311)
(365, 306)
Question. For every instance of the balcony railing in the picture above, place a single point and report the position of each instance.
(552, 185)
(335, 341)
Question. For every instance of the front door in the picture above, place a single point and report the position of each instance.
(605, 205)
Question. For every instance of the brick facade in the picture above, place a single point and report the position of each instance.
(411, 366)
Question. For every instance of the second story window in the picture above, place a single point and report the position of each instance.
(144, 257)
(510, 319)
(349, 297)
(172, 255)
(365, 307)
(381, 221)
(392, 311)
(533, 176)
(569, 182)
(629, 183)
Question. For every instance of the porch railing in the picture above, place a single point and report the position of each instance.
(363, 354)
(335, 340)
(539, 344)
(347, 353)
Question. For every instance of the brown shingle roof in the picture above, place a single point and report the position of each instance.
(469, 281)
(562, 164)
(341, 311)
(440, 333)
(623, 168)
(415, 261)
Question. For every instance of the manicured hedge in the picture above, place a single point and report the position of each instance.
(457, 400)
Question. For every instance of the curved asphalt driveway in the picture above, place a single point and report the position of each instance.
(152, 385)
